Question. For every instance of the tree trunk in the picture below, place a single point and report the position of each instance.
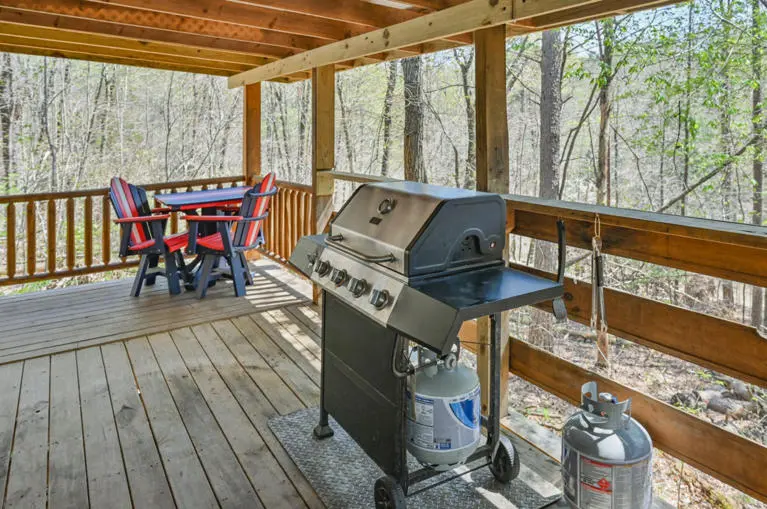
(414, 165)
(345, 125)
(6, 114)
(391, 83)
(687, 109)
(548, 184)
(470, 174)
(757, 293)
(606, 35)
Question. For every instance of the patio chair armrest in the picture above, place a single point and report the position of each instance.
(271, 192)
(251, 219)
(211, 219)
(142, 219)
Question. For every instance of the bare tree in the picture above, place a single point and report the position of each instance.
(465, 59)
(413, 76)
(605, 31)
(548, 185)
(6, 113)
(391, 83)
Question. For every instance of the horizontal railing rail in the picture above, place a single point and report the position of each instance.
(726, 250)
(59, 235)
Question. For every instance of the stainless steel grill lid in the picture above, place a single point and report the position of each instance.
(418, 229)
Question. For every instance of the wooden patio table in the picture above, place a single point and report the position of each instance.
(209, 202)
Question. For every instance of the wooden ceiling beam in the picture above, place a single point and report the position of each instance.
(45, 20)
(40, 48)
(138, 47)
(163, 21)
(433, 5)
(464, 17)
(592, 11)
(351, 11)
(247, 15)
(460, 19)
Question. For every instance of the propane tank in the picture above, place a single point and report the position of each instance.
(443, 427)
(606, 455)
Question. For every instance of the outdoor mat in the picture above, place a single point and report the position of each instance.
(343, 476)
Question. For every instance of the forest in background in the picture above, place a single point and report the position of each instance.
(659, 111)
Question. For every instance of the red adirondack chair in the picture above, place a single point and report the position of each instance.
(142, 233)
(235, 235)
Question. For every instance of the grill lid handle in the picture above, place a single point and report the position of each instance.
(336, 240)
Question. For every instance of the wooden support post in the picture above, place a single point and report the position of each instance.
(492, 172)
(251, 145)
(323, 147)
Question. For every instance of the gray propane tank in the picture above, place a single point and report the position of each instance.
(443, 427)
(606, 455)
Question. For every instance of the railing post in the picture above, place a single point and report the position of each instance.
(71, 251)
(88, 231)
(31, 238)
(492, 174)
(323, 147)
(11, 239)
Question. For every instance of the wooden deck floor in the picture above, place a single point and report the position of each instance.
(175, 417)
(54, 321)
(171, 419)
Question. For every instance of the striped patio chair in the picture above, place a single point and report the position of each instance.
(142, 234)
(235, 235)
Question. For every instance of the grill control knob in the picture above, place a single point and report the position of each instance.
(322, 267)
(358, 286)
(380, 298)
(338, 277)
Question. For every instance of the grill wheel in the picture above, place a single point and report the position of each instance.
(389, 494)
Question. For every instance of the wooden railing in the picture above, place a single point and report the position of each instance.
(65, 234)
(725, 250)
(289, 220)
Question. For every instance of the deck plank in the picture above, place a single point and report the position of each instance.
(27, 480)
(229, 482)
(308, 317)
(146, 476)
(185, 473)
(303, 386)
(251, 398)
(299, 331)
(67, 478)
(267, 477)
(10, 381)
(292, 346)
(276, 391)
(107, 483)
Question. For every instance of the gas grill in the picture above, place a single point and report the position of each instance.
(406, 264)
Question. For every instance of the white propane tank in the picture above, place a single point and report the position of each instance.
(606, 455)
(443, 427)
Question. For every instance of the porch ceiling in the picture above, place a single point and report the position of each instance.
(227, 37)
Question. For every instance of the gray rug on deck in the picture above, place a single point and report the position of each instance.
(343, 476)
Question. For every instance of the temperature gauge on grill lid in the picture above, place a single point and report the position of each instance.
(338, 277)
